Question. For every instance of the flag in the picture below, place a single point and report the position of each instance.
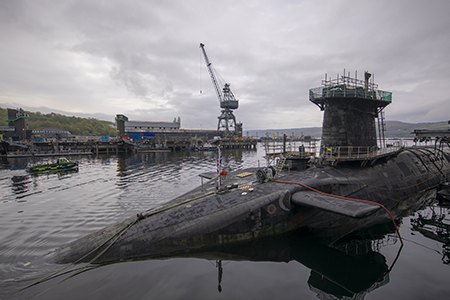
(219, 161)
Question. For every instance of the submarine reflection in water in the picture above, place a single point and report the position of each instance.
(433, 224)
(349, 268)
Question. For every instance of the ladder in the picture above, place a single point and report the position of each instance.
(280, 164)
(381, 129)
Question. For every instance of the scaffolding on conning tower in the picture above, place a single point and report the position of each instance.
(350, 108)
(348, 87)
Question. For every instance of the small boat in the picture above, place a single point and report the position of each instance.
(206, 147)
(61, 163)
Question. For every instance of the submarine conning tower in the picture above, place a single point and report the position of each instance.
(350, 107)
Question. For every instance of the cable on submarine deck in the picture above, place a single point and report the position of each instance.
(346, 198)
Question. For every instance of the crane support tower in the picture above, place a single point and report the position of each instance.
(227, 120)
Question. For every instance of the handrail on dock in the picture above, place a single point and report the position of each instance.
(345, 153)
(277, 148)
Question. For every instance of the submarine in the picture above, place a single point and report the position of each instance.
(356, 181)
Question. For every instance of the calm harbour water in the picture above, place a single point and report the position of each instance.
(41, 213)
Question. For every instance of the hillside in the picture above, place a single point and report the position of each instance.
(311, 131)
(75, 125)
(393, 129)
(401, 129)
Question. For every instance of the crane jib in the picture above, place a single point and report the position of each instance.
(226, 98)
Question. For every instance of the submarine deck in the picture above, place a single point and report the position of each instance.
(244, 182)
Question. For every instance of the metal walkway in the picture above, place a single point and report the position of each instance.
(333, 155)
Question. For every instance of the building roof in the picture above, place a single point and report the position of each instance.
(52, 129)
(152, 122)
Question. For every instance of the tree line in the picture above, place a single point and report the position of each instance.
(75, 125)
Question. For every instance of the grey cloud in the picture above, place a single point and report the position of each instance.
(142, 57)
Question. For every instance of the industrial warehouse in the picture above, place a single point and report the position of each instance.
(132, 136)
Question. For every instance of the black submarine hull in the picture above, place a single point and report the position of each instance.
(249, 209)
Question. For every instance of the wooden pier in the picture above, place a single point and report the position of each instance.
(57, 148)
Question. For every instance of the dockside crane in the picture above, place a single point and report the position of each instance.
(227, 120)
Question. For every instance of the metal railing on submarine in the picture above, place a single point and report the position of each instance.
(330, 155)
(356, 153)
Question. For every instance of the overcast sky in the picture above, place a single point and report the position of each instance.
(142, 58)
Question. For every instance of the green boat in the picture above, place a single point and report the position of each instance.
(61, 163)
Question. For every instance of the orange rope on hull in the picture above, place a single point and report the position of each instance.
(346, 198)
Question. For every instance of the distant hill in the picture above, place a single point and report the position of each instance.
(311, 131)
(401, 129)
(393, 129)
(75, 125)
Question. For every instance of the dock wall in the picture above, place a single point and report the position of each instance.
(55, 148)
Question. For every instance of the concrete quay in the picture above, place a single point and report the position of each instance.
(58, 148)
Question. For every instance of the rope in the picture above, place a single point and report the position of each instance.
(117, 235)
(92, 260)
(346, 198)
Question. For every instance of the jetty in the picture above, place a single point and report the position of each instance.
(113, 146)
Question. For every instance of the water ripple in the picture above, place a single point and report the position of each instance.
(39, 213)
